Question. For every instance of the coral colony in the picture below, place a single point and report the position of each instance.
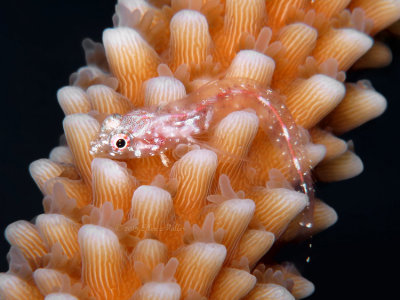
(191, 137)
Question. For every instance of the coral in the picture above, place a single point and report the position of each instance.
(194, 223)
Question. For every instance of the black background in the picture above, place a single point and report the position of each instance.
(40, 48)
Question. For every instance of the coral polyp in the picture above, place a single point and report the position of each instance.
(191, 139)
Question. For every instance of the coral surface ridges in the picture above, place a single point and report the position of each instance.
(191, 137)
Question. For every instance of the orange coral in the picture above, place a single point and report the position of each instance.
(131, 230)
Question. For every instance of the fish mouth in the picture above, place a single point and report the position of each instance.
(98, 147)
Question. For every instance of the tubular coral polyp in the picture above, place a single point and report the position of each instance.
(192, 136)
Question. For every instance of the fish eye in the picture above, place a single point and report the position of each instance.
(119, 142)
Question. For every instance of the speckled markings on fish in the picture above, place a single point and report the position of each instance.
(152, 131)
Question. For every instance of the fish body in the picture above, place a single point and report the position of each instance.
(155, 130)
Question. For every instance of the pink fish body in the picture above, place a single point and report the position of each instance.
(154, 130)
